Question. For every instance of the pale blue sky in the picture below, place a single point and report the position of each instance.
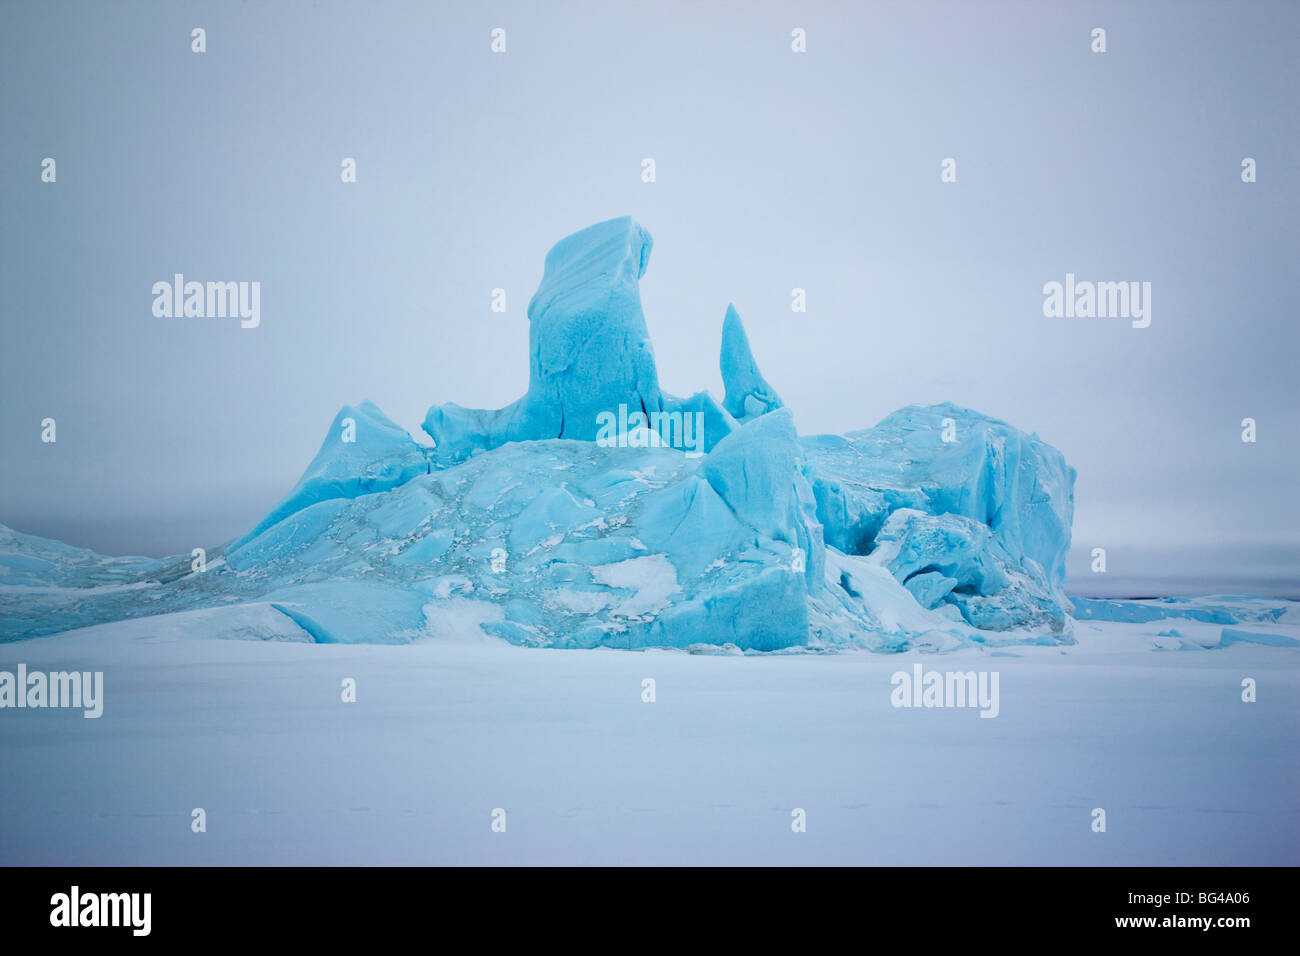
(775, 170)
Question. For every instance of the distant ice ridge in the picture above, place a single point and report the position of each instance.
(938, 528)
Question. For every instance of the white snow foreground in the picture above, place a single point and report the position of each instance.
(442, 733)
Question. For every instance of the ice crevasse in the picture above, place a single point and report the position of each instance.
(600, 510)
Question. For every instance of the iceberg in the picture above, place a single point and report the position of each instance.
(942, 493)
(589, 352)
(364, 452)
(747, 393)
(534, 524)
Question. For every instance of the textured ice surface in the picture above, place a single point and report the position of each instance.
(696, 524)
(952, 495)
(363, 452)
(1272, 622)
(572, 544)
(588, 348)
(747, 393)
(1211, 609)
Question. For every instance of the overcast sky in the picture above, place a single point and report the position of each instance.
(775, 170)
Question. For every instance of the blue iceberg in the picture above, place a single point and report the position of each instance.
(363, 452)
(747, 393)
(599, 510)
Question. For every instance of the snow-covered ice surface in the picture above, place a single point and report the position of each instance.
(445, 731)
(499, 599)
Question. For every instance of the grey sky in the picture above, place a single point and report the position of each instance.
(775, 170)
